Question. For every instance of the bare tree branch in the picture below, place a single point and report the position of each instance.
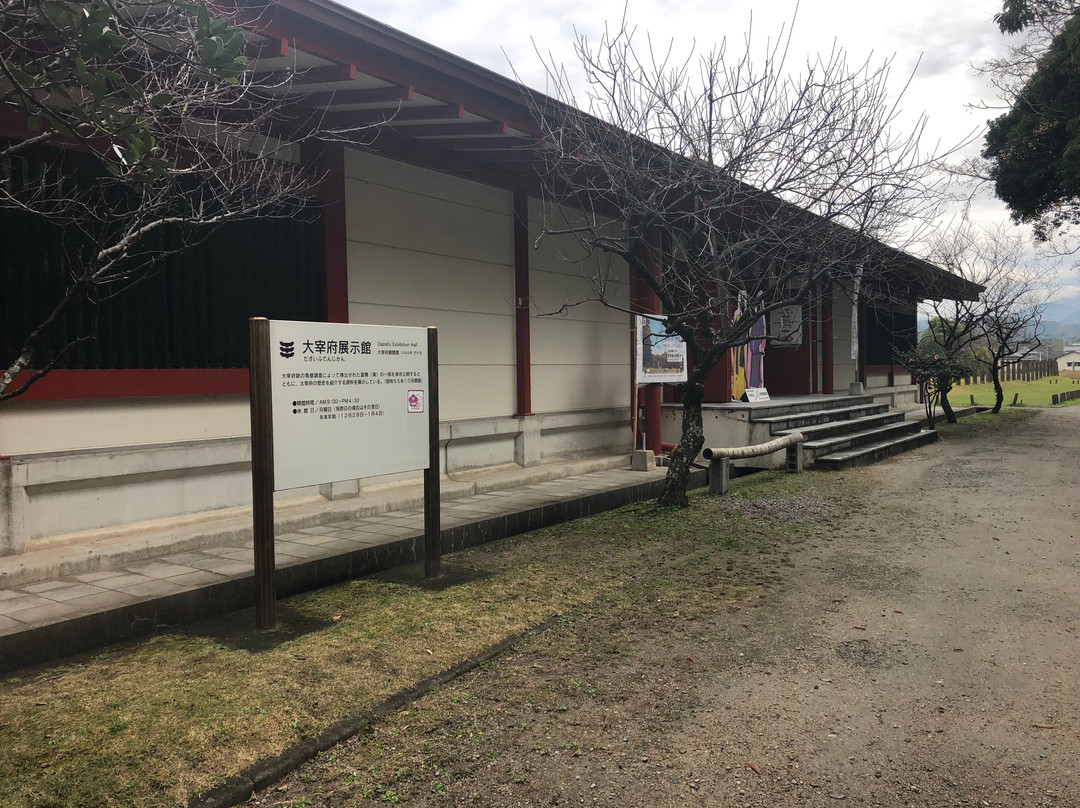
(718, 177)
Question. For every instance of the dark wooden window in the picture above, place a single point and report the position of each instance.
(191, 310)
(886, 330)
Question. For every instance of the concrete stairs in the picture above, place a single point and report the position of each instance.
(844, 433)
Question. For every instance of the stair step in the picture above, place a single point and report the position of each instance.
(871, 453)
(839, 443)
(829, 428)
(764, 411)
(810, 418)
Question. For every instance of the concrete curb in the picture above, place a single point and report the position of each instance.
(95, 550)
(239, 788)
(960, 412)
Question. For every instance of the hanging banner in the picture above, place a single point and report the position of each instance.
(661, 357)
(348, 401)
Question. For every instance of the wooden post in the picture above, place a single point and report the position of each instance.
(262, 473)
(432, 500)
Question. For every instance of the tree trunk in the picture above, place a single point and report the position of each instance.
(999, 391)
(690, 443)
(946, 407)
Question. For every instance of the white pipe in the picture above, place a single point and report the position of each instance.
(742, 452)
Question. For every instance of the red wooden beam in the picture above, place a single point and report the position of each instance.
(523, 338)
(335, 290)
(644, 300)
(73, 384)
(391, 144)
(340, 39)
(504, 156)
(827, 341)
(493, 142)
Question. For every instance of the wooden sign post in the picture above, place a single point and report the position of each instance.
(262, 473)
(432, 498)
(335, 401)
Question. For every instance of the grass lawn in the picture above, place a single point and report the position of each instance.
(154, 722)
(1032, 394)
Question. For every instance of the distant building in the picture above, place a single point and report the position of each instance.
(1068, 364)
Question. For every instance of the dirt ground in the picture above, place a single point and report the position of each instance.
(919, 649)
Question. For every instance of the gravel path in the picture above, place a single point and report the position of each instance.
(922, 652)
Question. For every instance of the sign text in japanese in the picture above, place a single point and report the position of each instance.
(347, 400)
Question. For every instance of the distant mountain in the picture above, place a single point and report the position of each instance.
(1063, 312)
(1061, 320)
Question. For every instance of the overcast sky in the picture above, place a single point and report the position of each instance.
(937, 39)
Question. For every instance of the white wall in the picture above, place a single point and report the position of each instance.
(580, 356)
(57, 426)
(429, 249)
(423, 249)
(1064, 360)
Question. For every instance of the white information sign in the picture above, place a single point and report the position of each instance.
(348, 401)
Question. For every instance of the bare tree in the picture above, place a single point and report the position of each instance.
(957, 325)
(1007, 317)
(718, 179)
(144, 121)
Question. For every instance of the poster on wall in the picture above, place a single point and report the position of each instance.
(661, 357)
(786, 326)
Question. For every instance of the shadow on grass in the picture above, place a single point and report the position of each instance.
(452, 575)
(237, 631)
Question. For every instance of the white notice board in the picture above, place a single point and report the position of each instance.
(348, 401)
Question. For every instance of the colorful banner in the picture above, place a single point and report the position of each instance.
(748, 361)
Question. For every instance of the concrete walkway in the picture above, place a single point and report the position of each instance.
(62, 602)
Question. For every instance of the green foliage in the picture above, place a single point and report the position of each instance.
(91, 82)
(1017, 15)
(1034, 148)
(935, 370)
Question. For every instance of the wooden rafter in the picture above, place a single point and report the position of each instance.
(392, 116)
(482, 143)
(271, 48)
(464, 128)
(316, 75)
(370, 95)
